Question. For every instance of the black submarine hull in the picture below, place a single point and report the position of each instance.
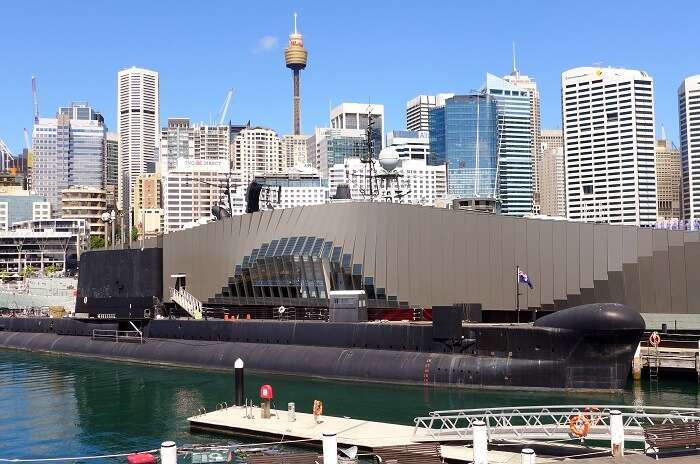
(588, 347)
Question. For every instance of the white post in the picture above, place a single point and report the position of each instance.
(617, 434)
(480, 442)
(527, 456)
(330, 448)
(168, 452)
(637, 363)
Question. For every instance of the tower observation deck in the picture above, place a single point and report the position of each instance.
(295, 56)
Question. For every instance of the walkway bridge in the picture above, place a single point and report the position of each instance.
(545, 423)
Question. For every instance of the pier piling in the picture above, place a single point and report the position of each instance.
(330, 448)
(168, 452)
(617, 434)
(239, 388)
(637, 364)
(480, 445)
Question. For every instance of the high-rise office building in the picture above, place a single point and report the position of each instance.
(552, 182)
(68, 150)
(689, 123)
(257, 151)
(410, 144)
(329, 147)
(530, 86)
(356, 116)
(138, 125)
(88, 203)
(112, 171)
(418, 109)
(668, 179)
(608, 126)
(515, 149)
(464, 135)
(294, 152)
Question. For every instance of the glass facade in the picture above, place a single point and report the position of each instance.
(515, 146)
(464, 135)
(298, 271)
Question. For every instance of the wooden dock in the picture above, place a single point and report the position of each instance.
(366, 435)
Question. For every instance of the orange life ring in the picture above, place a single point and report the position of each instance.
(593, 414)
(318, 408)
(654, 339)
(579, 425)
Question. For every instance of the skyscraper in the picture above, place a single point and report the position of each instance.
(356, 116)
(514, 145)
(418, 109)
(552, 183)
(329, 147)
(295, 56)
(608, 125)
(530, 86)
(668, 179)
(68, 150)
(464, 135)
(112, 170)
(294, 153)
(689, 122)
(138, 125)
(257, 151)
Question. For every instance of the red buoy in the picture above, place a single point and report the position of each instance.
(141, 458)
(266, 392)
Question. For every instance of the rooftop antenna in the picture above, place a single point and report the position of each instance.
(515, 69)
(663, 132)
(295, 22)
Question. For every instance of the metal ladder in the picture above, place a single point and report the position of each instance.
(654, 364)
(187, 301)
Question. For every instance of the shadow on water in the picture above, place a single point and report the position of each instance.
(65, 406)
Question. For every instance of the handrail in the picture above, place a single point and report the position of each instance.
(187, 301)
(546, 422)
(117, 335)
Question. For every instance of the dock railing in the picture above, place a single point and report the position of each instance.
(546, 423)
(124, 336)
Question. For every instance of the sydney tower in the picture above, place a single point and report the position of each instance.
(295, 58)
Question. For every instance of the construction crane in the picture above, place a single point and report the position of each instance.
(36, 100)
(27, 145)
(224, 107)
(6, 157)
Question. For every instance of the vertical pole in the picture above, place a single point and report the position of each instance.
(617, 434)
(527, 456)
(297, 102)
(637, 364)
(168, 452)
(517, 291)
(330, 448)
(480, 442)
(238, 385)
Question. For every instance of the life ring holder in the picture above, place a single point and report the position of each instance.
(655, 339)
(579, 425)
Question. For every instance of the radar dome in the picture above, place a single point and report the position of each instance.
(389, 158)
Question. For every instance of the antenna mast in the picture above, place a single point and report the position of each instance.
(36, 100)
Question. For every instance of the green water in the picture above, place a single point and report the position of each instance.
(56, 406)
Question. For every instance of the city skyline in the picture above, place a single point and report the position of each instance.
(195, 87)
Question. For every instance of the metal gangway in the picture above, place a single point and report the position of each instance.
(546, 423)
(187, 301)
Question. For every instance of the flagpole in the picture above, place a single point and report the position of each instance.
(517, 291)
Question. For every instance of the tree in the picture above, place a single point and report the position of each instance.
(51, 269)
(28, 271)
(134, 234)
(97, 241)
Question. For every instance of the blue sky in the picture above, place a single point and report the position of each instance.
(383, 51)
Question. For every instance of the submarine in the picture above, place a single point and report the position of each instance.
(586, 347)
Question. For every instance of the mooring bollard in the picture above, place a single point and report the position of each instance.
(330, 448)
(239, 388)
(168, 452)
(291, 412)
(617, 434)
(637, 363)
(527, 456)
(480, 442)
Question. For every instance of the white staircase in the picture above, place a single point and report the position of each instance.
(187, 301)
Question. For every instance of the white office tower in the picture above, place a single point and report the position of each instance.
(689, 122)
(410, 144)
(356, 116)
(68, 150)
(138, 125)
(552, 182)
(608, 122)
(419, 183)
(294, 152)
(530, 86)
(195, 170)
(257, 151)
(418, 108)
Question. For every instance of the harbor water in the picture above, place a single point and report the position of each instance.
(59, 406)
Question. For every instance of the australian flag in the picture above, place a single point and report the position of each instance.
(524, 279)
